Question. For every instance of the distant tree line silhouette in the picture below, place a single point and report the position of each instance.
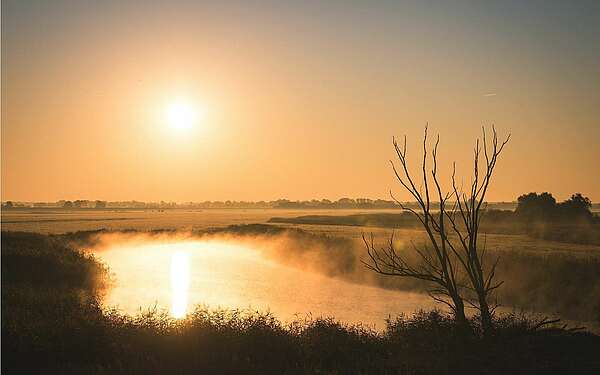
(342, 203)
(544, 208)
(531, 206)
(82, 204)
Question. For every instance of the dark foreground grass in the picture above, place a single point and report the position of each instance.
(52, 323)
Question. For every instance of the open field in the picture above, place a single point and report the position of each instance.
(62, 221)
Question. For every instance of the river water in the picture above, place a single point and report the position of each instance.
(179, 275)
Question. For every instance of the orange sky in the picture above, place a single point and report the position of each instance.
(300, 101)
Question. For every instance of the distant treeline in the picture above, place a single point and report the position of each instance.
(535, 204)
(346, 203)
(544, 207)
(343, 203)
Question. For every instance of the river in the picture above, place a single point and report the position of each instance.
(179, 275)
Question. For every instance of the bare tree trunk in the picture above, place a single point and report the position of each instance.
(459, 313)
(486, 315)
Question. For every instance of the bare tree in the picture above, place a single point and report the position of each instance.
(469, 209)
(435, 264)
(450, 259)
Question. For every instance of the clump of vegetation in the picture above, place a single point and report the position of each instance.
(543, 207)
(48, 261)
(50, 306)
(52, 322)
(540, 216)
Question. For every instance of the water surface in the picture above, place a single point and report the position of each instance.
(180, 275)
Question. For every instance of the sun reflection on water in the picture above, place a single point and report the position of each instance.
(180, 283)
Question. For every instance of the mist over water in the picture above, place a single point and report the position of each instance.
(177, 275)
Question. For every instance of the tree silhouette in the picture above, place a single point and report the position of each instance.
(543, 208)
(452, 259)
(100, 204)
(535, 206)
(577, 207)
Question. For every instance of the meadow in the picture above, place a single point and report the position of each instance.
(55, 221)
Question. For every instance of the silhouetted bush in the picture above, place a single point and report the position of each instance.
(542, 207)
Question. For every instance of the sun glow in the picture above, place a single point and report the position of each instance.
(181, 115)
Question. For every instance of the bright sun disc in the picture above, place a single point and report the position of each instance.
(181, 116)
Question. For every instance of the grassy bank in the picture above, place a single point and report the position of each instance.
(493, 222)
(52, 322)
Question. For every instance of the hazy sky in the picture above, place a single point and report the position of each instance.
(293, 100)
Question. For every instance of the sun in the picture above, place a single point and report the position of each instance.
(181, 115)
